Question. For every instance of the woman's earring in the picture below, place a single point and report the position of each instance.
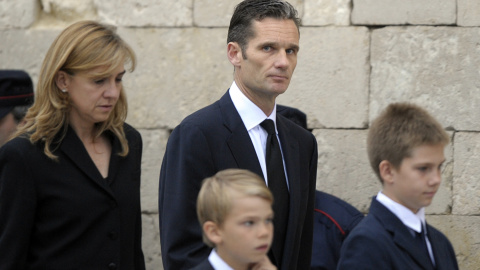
(64, 90)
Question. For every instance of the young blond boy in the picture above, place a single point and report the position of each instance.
(405, 148)
(234, 208)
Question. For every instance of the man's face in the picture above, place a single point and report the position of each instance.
(271, 57)
(416, 181)
(8, 126)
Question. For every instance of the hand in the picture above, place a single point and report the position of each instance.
(264, 264)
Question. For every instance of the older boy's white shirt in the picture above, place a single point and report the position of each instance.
(217, 262)
(414, 221)
(410, 219)
(252, 116)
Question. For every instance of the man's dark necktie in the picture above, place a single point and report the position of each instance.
(278, 185)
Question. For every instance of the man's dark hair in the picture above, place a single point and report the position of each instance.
(240, 29)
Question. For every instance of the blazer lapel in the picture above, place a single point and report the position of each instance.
(73, 148)
(291, 155)
(406, 241)
(114, 165)
(400, 234)
(239, 141)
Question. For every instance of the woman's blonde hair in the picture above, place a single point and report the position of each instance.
(82, 46)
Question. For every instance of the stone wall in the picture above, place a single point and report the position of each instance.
(356, 57)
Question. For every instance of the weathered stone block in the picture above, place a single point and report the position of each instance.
(467, 12)
(435, 67)
(330, 83)
(391, 12)
(151, 242)
(213, 12)
(18, 13)
(61, 13)
(218, 13)
(25, 49)
(466, 186)
(146, 13)
(343, 167)
(464, 234)
(327, 12)
(179, 71)
(154, 142)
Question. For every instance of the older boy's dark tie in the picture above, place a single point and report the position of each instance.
(278, 185)
(421, 241)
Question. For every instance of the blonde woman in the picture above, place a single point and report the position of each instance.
(70, 178)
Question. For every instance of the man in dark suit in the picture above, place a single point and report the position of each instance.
(263, 42)
(405, 147)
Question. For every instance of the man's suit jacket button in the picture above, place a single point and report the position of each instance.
(113, 204)
(112, 266)
(113, 235)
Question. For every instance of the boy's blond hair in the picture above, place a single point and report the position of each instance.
(215, 198)
(398, 130)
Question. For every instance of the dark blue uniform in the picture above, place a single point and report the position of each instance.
(333, 221)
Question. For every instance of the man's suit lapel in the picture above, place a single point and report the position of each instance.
(73, 148)
(239, 141)
(291, 155)
(243, 151)
(400, 234)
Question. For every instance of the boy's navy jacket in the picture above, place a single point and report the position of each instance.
(333, 221)
(204, 265)
(382, 241)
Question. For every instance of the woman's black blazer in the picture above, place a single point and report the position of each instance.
(63, 214)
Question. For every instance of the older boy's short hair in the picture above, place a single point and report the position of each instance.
(214, 200)
(400, 128)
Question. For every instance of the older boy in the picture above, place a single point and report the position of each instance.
(405, 147)
(234, 208)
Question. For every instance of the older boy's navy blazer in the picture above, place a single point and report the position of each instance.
(382, 241)
(213, 139)
(204, 265)
(63, 214)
